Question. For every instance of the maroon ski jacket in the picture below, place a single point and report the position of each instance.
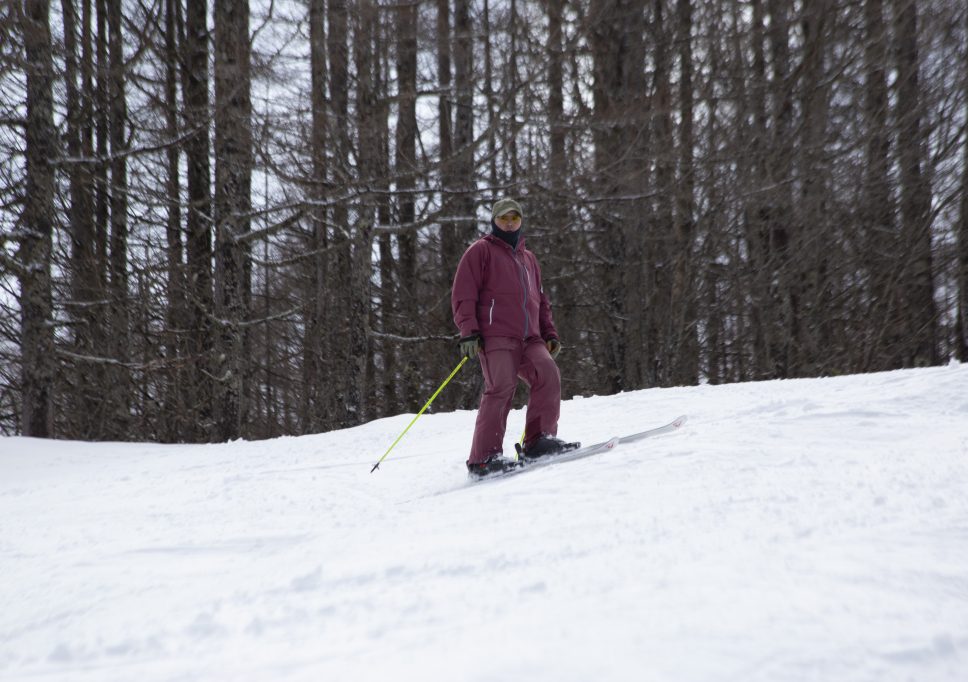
(497, 292)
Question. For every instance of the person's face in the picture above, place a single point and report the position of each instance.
(509, 222)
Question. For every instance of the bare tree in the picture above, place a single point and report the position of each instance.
(717, 191)
(464, 166)
(195, 90)
(877, 201)
(343, 376)
(37, 225)
(177, 396)
(684, 310)
(369, 165)
(621, 139)
(663, 238)
(814, 236)
(232, 206)
(406, 168)
(85, 279)
(560, 276)
(117, 390)
(961, 343)
(451, 246)
(317, 332)
(920, 313)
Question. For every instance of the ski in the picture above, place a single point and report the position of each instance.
(524, 464)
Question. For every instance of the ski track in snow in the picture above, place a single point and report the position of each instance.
(792, 530)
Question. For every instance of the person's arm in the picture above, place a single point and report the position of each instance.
(466, 289)
(546, 324)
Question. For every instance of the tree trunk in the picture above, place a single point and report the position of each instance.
(621, 139)
(85, 293)
(755, 176)
(199, 241)
(877, 208)
(177, 381)
(510, 90)
(961, 342)
(660, 330)
(368, 127)
(338, 318)
(450, 243)
(557, 163)
(920, 313)
(961, 327)
(769, 221)
(315, 338)
(815, 241)
(464, 188)
(487, 49)
(780, 220)
(453, 240)
(36, 315)
(560, 263)
(102, 212)
(685, 338)
(464, 123)
(233, 205)
(381, 365)
(118, 388)
(405, 169)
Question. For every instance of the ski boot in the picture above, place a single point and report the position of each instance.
(495, 464)
(544, 445)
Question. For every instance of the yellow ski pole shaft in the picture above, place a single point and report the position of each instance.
(422, 410)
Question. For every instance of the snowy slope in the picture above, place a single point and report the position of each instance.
(794, 530)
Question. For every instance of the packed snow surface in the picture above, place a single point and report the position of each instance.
(791, 530)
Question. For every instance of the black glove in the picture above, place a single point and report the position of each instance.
(554, 347)
(470, 346)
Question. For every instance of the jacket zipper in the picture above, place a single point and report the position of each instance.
(490, 314)
(524, 285)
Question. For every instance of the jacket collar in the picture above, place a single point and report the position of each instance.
(496, 240)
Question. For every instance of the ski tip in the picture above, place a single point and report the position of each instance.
(679, 421)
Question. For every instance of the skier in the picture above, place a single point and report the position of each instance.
(504, 317)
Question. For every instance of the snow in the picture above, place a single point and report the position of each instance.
(792, 530)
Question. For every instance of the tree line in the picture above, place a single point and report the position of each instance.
(241, 219)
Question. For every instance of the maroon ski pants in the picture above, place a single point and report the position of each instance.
(503, 361)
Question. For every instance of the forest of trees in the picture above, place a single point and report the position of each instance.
(238, 219)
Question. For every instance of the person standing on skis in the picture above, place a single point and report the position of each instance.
(504, 318)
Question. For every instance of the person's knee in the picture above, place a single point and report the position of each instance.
(502, 391)
(546, 375)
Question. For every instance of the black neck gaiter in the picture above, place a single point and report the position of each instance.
(509, 238)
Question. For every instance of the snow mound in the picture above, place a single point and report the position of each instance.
(792, 530)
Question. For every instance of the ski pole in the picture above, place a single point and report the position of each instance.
(422, 410)
(520, 445)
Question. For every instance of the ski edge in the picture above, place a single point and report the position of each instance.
(658, 431)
